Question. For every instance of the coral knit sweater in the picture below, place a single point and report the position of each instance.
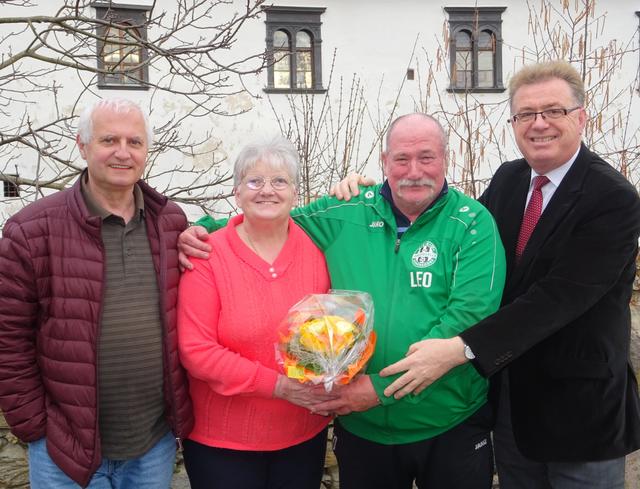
(229, 309)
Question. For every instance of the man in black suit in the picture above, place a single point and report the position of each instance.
(569, 410)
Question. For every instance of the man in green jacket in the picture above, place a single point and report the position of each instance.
(432, 260)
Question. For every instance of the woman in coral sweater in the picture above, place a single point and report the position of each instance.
(253, 427)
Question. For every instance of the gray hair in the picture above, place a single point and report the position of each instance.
(277, 153)
(443, 134)
(117, 105)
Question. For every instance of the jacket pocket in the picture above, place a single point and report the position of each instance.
(578, 368)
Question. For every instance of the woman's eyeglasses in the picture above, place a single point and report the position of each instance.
(257, 182)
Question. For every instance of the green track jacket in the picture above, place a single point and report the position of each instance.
(442, 276)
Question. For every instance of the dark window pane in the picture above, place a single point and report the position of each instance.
(485, 69)
(281, 79)
(10, 189)
(303, 60)
(280, 40)
(113, 34)
(304, 79)
(131, 55)
(132, 78)
(121, 59)
(485, 61)
(485, 40)
(463, 60)
(463, 40)
(463, 73)
(112, 78)
(303, 40)
(303, 73)
(463, 79)
(281, 60)
(485, 79)
(281, 71)
(111, 53)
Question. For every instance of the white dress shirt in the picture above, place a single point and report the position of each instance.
(555, 176)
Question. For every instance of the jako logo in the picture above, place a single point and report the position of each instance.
(480, 444)
(377, 224)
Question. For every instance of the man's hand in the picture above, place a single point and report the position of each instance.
(192, 242)
(358, 395)
(348, 186)
(426, 362)
(304, 395)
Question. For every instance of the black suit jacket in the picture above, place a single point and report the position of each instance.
(564, 324)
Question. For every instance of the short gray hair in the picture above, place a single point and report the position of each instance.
(117, 105)
(276, 152)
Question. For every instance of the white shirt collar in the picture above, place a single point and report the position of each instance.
(556, 175)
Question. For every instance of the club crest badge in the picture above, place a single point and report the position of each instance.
(425, 256)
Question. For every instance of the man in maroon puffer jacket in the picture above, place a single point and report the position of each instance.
(89, 368)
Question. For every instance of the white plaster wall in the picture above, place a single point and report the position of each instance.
(372, 41)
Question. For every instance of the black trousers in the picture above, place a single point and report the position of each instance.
(460, 458)
(296, 467)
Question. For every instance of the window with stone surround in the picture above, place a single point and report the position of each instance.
(475, 49)
(9, 188)
(294, 49)
(120, 50)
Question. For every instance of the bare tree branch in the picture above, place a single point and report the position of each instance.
(186, 55)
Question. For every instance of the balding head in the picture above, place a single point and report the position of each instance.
(415, 162)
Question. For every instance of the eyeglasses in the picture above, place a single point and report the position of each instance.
(525, 117)
(257, 182)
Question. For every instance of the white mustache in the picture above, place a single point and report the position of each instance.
(421, 182)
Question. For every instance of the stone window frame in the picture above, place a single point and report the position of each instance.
(127, 14)
(475, 20)
(292, 20)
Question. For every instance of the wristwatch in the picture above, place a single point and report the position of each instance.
(468, 353)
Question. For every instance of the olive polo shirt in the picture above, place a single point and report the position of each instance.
(130, 364)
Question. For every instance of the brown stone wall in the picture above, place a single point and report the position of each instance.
(636, 283)
(13, 460)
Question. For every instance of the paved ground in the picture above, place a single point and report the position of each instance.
(180, 480)
(632, 480)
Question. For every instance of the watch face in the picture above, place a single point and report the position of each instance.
(468, 353)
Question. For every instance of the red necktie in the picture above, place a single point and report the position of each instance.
(532, 214)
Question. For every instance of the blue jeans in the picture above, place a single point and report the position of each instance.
(153, 470)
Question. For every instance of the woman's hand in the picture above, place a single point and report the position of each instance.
(304, 395)
(357, 395)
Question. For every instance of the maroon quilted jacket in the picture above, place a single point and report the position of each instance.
(51, 288)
